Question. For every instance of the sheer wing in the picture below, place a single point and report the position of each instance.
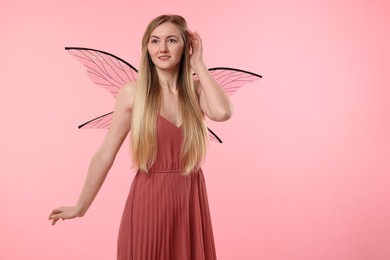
(111, 72)
(213, 137)
(104, 69)
(231, 79)
(101, 122)
(104, 122)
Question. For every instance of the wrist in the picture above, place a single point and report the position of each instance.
(198, 66)
(79, 211)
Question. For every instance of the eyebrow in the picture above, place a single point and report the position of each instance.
(170, 36)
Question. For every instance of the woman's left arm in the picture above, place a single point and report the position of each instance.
(213, 100)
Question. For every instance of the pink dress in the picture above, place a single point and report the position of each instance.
(166, 216)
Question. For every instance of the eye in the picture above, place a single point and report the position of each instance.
(172, 40)
(154, 41)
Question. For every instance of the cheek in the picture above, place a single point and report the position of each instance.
(179, 50)
(151, 50)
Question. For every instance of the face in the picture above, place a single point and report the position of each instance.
(166, 46)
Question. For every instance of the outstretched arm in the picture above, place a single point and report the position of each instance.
(213, 100)
(103, 159)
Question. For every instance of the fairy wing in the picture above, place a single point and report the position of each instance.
(104, 122)
(111, 72)
(231, 79)
(105, 69)
(101, 122)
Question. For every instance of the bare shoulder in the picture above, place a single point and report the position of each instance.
(129, 88)
(127, 94)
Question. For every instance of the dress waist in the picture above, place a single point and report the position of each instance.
(165, 166)
(165, 170)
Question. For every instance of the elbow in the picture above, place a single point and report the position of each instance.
(224, 114)
(227, 114)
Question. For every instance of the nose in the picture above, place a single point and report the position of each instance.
(163, 47)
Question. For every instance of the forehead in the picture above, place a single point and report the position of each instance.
(165, 30)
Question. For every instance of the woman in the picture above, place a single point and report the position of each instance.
(166, 215)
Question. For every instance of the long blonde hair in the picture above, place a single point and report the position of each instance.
(148, 102)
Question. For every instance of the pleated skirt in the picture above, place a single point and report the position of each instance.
(166, 217)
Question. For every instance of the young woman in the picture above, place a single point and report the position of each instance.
(166, 215)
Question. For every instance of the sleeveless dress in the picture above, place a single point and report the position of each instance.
(166, 216)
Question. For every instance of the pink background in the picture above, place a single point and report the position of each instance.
(303, 172)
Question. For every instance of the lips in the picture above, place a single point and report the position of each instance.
(164, 57)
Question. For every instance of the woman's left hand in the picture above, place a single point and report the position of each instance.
(196, 52)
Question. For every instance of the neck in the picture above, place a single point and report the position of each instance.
(168, 79)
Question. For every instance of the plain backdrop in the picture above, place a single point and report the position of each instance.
(303, 172)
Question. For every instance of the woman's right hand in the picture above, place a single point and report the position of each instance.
(64, 213)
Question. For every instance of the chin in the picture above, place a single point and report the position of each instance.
(167, 67)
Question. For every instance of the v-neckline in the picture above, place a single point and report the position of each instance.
(178, 127)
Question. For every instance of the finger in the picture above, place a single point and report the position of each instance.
(59, 215)
(55, 216)
(194, 42)
(195, 35)
(54, 221)
(198, 37)
(192, 35)
(54, 212)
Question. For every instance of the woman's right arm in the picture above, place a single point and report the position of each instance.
(103, 159)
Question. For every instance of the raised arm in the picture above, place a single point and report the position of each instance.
(103, 159)
(213, 100)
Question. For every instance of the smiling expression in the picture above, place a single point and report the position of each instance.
(166, 46)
